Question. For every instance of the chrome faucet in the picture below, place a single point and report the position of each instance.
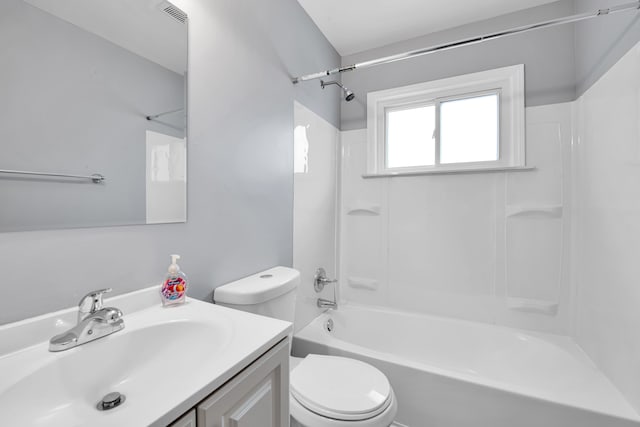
(94, 321)
(319, 282)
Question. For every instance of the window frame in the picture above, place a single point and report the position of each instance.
(507, 82)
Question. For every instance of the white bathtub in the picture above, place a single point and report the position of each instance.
(455, 373)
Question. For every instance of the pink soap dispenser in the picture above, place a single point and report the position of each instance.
(174, 287)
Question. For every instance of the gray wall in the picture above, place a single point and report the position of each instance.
(600, 43)
(561, 62)
(75, 103)
(242, 54)
(547, 55)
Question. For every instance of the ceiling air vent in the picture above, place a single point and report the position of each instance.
(173, 12)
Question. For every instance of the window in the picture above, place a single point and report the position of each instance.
(471, 122)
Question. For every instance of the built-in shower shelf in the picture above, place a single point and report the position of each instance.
(364, 209)
(528, 305)
(363, 283)
(554, 211)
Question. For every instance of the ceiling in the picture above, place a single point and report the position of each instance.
(353, 26)
(139, 26)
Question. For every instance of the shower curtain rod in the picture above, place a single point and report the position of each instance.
(471, 41)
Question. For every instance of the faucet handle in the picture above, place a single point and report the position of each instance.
(91, 302)
(320, 280)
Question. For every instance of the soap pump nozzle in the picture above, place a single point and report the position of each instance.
(174, 268)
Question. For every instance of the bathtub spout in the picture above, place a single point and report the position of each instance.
(325, 303)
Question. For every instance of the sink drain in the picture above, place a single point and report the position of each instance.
(110, 401)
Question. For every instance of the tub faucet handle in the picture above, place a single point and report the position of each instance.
(320, 280)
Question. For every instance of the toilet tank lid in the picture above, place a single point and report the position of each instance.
(259, 287)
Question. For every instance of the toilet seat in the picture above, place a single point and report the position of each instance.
(340, 389)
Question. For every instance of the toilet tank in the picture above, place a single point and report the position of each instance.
(269, 293)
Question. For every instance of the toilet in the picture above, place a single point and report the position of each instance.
(325, 391)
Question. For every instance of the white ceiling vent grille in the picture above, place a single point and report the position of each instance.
(173, 11)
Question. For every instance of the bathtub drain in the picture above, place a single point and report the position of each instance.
(329, 325)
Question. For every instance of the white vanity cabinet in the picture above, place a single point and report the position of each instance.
(256, 397)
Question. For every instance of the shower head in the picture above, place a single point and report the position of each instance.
(348, 95)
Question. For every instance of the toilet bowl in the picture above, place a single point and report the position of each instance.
(325, 391)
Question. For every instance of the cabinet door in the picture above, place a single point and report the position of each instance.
(187, 420)
(256, 397)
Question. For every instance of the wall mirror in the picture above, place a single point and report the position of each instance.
(92, 113)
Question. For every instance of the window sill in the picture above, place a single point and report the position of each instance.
(451, 172)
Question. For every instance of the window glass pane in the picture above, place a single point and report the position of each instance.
(469, 130)
(410, 137)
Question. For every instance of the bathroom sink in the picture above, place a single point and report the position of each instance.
(164, 361)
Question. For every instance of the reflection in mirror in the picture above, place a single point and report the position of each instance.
(91, 89)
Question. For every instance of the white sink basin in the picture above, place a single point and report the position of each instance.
(164, 362)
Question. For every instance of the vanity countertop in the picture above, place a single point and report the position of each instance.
(164, 361)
